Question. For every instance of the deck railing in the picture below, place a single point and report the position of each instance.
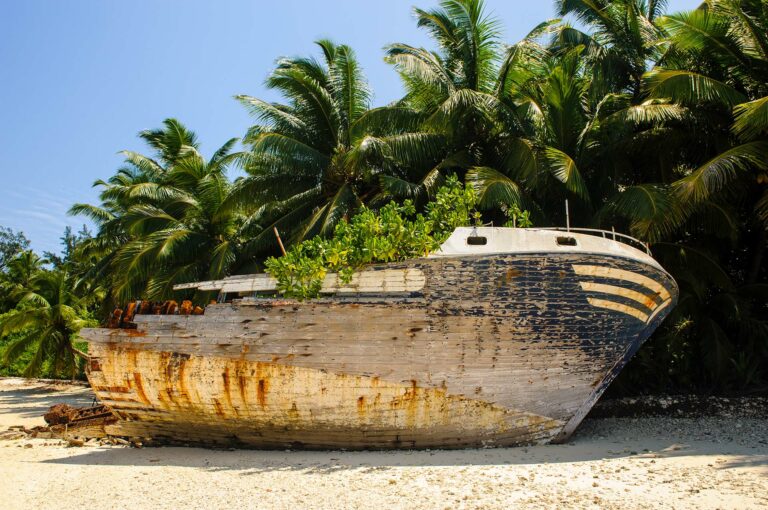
(631, 241)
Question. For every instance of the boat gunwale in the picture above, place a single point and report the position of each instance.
(650, 261)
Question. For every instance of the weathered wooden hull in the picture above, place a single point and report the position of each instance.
(490, 350)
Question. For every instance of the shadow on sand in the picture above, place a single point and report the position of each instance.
(581, 449)
(35, 401)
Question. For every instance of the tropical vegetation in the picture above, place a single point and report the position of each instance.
(396, 232)
(650, 122)
(44, 304)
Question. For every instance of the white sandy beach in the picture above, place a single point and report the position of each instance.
(716, 462)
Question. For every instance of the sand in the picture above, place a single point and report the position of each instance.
(648, 462)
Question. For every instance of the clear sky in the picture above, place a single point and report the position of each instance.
(79, 79)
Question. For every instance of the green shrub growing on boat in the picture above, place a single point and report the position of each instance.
(392, 234)
(516, 217)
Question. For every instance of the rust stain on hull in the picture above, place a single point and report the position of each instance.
(139, 388)
(261, 392)
(305, 402)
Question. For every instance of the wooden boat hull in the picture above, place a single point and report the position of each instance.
(490, 350)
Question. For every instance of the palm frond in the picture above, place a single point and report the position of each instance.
(277, 116)
(419, 65)
(651, 209)
(746, 26)
(222, 258)
(518, 159)
(170, 140)
(315, 101)
(143, 163)
(701, 30)
(341, 205)
(460, 105)
(690, 87)
(751, 119)
(26, 340)
(719, 219)
(761, 209)
(387, 120)
(655, 8)
(413, 149)
(493, 188)
(650, 112)
(98, 215)
(700, 264)
(222, 154)
(564, 169)
(279, 144)
(404, 189)
(350, 88)
(720, 171)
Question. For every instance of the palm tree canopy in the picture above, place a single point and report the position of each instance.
(163, 219)
(46, 321)
(319, 156)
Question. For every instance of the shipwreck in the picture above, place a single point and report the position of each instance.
(505, 336)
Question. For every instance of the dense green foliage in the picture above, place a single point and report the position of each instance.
(43, 307)
(166, 219)
(392, 234)
(651, 122)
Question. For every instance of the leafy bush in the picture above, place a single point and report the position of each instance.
(516, 217)
(395, 233)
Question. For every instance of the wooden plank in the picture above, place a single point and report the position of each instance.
(384, 280)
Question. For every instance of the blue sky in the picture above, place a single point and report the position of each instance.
(81, 77)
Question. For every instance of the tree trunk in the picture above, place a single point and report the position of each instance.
(78, 352)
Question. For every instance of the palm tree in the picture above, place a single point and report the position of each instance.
(463, 72)
(140, 182)
(461, 91)
(677, 154)
(18, 275)
(23, 268)
(524, 122)
(715, 65)
(620, 44)
(717, 61)
(189, 235)
(46, 321)
(163, 219)
(319, 157)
